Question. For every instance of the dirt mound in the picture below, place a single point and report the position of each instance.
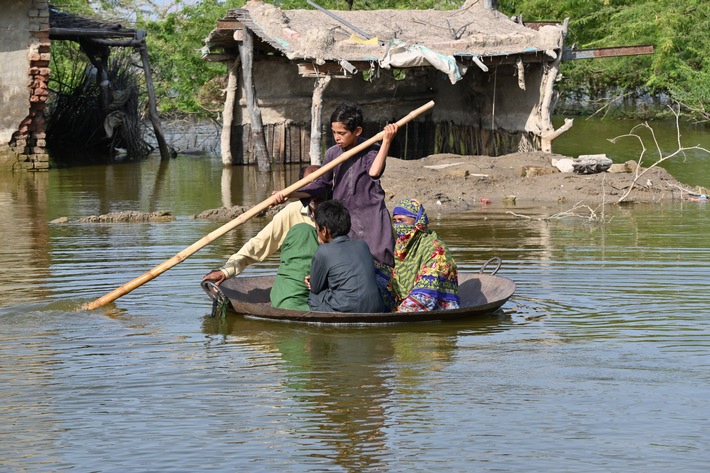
(230, 213)
(130, 216)
(454, 183)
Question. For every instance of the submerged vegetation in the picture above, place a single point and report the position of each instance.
(678, 71)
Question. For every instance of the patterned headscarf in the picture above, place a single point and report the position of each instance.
(425, 275)
(405, 232)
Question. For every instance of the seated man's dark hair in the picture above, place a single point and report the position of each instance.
(333, 216)
(306, 170)
(348, 114)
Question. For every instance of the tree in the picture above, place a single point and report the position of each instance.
(679, 32)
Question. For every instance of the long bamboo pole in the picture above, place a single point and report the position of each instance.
(204, 241)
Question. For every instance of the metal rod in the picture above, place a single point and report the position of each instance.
(333, 15)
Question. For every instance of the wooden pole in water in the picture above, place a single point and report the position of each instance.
(207, 239)
(165, 151)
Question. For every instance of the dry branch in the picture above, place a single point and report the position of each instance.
(639, 172)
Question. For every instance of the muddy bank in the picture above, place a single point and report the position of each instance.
(447, 183)
(452, 183)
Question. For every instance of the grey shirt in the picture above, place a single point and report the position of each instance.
(343, 278)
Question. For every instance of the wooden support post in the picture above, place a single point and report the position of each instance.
(228, 115)
(546, 98)
(521, 73)
(246, 53)
(316, 121)
(165, 151)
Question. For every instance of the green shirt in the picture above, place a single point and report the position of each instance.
(289, 290)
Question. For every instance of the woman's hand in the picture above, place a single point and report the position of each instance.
(307, 280)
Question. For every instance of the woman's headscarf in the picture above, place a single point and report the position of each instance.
(425, 275)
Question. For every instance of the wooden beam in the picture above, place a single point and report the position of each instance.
(316, 120)
(229, 24)
(570, 54)
(117, 44)
(219, 57)
(63, 33)
(333, 69)
(228, 114)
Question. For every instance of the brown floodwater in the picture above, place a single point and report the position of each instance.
(600, 362)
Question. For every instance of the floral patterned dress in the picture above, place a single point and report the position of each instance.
(425, 275)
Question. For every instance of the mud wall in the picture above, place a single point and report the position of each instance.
(24, 72)
(484, 114)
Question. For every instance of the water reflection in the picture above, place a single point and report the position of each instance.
(593, 135)
(611, 323)
(348, 380)
(24, 260)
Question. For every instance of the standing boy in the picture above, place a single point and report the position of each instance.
(356, 182)
(342, 275)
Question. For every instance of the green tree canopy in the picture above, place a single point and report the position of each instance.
(678, 30)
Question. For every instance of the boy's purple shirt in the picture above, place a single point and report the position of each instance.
(364, 198)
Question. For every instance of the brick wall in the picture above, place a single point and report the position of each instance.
(29, 140)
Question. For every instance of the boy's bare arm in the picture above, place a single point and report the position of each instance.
(378, 165)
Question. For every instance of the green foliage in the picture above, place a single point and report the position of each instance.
(679, 32)
(175, 47)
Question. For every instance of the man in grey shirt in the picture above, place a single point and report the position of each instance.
(342, 275)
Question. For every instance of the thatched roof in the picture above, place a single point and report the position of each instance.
(471, 31)
(63, 25)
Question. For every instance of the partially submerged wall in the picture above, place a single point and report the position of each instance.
(24, 72)
(483, 114)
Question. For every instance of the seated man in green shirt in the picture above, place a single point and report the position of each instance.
(269, 239)
(289, 290)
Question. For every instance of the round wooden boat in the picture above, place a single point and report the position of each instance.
(479, 293)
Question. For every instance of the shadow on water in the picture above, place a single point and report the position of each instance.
(345, 380)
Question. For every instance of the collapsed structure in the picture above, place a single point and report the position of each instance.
(27, 28)
(491, 77)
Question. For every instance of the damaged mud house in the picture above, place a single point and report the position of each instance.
(27, 30)
(492, 79)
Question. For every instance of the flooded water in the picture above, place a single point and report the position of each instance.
(600, 362)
